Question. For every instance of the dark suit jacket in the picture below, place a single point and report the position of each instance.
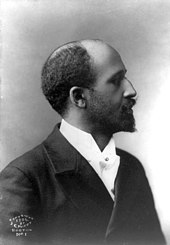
(52, 195)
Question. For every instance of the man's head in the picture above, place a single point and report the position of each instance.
(88, 77)
(68, 66)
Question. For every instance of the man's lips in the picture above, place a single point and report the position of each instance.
(131, 103)
(128, 106)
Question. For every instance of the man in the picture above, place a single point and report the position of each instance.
(76, 187)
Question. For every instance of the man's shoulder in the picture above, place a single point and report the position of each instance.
(36, 161)
(130, 159)
(30, 161)
(123, 153)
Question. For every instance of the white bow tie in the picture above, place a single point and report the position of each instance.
(105, 166)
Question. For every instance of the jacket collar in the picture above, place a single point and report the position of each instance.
(65, 159)
(62, 155)
(61, 151)
(126, 189)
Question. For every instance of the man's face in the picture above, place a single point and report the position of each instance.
(111, 98)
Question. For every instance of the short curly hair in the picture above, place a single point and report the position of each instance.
(69, 65)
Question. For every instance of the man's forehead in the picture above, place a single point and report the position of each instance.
(103, 54)
(100, 51)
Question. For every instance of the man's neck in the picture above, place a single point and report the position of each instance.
(101, 137)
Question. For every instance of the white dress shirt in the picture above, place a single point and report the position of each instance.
(105, 163)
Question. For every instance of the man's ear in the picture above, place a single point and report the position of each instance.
(77, 97)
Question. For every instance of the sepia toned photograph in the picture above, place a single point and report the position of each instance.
(84, 89)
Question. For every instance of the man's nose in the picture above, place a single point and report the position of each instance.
(129, 89)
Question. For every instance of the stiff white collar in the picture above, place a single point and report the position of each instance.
(105, 163)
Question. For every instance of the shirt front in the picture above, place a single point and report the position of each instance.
(105, 163)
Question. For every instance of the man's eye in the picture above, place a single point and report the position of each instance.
(117, 80)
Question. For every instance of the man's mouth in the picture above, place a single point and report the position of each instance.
(127, 108)
(131, 102)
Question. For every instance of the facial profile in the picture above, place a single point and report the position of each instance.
(96, 67)
(112, 97)
(102, 114)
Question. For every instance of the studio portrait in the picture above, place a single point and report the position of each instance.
(85, 122)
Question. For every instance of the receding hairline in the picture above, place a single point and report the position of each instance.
(95, 46)
(97, 50)
(87, 44)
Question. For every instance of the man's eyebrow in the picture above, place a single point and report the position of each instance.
(120, 73)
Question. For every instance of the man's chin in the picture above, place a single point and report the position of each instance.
(127, 130)
(123, 127)
(127, 124)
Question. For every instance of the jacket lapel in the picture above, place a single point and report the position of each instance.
(85, 189)
(81, 183)
(125, 190)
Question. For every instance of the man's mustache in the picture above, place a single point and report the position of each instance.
(128, 104)
(131, 102)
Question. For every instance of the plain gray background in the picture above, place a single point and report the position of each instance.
(139, 30)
